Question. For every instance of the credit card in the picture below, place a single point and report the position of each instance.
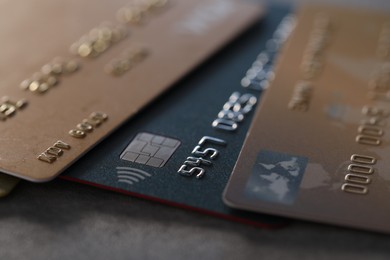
(71, 72)
(7, 184)
(182, 148)
(318, 147)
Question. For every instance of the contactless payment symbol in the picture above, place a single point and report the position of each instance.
(276, 177)
(131, 175)
(149, 149)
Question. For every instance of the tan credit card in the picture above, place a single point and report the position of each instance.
(7, 184)
(71, 71)
(319, 146)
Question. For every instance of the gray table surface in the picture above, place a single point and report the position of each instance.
(63, 220)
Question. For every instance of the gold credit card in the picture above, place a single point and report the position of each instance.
(7, 184)
(71, 71)
(319, 146)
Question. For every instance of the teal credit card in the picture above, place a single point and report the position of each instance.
(182, 148)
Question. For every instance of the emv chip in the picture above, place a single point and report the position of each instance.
(150, 149)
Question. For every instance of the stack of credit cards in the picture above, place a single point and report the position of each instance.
(93, 68)
(105, 96)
